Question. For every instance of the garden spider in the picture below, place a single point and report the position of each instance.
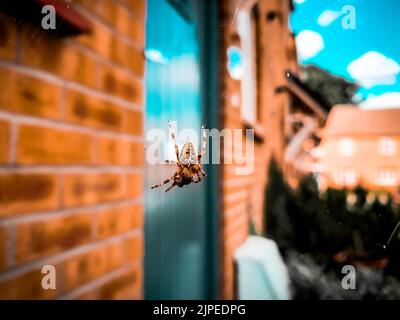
(188, 163)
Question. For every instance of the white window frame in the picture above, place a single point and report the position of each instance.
(346, 147)
(388, 178)
(387, 146)
(346, 177)
(247, 36)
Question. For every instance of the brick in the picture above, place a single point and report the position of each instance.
(134, 185)
(113, 151)
(138, 216)
(4, 141)
(45, 237)
(234, 204)
(120, 84)
(119, 220)
(116, 15)
(127, 56)
(91, 295)
(92, 5)
(137, 7)
(137, 32)
(54, 55)
(83, 189)
(40, 145)
(27, 193)
(134, 122)
(81, 68)
(232, 222)
(3, 248)
(28, 285)
(94, 112)
(124, 286)
(91, 265)
(133, 248)
(25, 94)
(120, 289)
(8, 32)
(99, 40)
(138, 295)
(124, 22)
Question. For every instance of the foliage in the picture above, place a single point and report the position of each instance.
(327, 88)
(252, 228)
(321, 225)
(310, 281)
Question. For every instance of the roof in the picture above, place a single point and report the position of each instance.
(351, 120)
(295, 85)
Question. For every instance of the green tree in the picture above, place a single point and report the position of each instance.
(279, 203)
(327, 88)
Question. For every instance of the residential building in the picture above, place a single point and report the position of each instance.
(361, 147)
(76, 107)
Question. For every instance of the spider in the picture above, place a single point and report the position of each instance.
(188, 163)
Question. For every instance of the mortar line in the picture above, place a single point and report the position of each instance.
(68, 84)
(64, 255)
(67, 212)
(95, 284)
(60, 125)
(112, 29)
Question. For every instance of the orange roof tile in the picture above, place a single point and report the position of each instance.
(351, 120)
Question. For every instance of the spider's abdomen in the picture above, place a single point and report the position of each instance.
(188, 155)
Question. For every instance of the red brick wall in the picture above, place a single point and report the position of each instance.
(71, 155)
(243, 195)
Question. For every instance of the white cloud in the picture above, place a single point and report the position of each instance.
(156, 56)
(299, 1)
(373, 68)
(385, 100)
(309, 44)
(327, 17)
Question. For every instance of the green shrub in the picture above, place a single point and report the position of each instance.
(321, 225)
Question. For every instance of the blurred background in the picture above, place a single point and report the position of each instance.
(83, 83)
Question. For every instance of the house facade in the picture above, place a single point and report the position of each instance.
(76, 108)
(361, 147)
(260, 30)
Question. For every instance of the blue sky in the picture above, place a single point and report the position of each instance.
(368, 54)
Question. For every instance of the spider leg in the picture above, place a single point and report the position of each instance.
(203, 144)
(203, 172)
(174, 140)
(169, 161)
(172, 185)
(198, 178)
(164, 182)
